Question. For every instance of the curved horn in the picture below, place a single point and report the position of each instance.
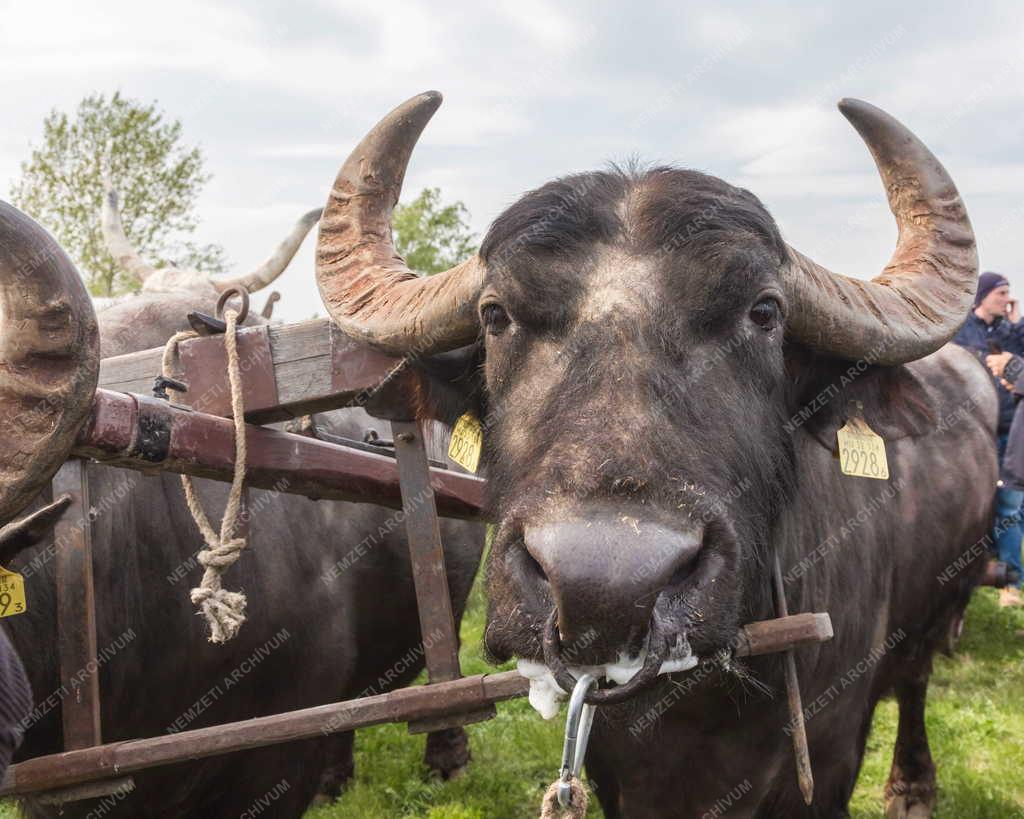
(923, 295)
(19, 535)
(118, 246)
(368, 289)
(268, 308)
(49, 358)
(273, 267)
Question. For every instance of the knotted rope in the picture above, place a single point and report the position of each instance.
(550, 809)
(224, 610)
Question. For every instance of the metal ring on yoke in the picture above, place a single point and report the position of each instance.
(242, 293)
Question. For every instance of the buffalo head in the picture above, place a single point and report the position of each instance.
(643, 335)
(148, 318)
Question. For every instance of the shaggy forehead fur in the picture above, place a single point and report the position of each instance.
(623, 226)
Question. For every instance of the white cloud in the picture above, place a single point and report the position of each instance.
(277, 95)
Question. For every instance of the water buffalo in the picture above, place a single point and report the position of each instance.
(661, 379)
(331, 613)
(49, 363)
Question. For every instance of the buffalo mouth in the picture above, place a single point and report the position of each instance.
(621, 681)
(694, 617)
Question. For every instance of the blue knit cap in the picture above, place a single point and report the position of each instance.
(987, 282)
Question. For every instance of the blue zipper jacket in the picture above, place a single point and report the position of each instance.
(975, 335)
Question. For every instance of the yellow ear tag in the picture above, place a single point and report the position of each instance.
(862, 451)
(12, 593)
(467, 442)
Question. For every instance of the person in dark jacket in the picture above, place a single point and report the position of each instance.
(991, 331)
(990, 328)
(15, 702)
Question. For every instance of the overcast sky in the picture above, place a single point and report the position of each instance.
(278, 93)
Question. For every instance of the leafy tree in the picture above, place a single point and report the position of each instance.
(430, 236)
(158, 179)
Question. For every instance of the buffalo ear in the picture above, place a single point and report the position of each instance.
(450, 385)
(30, 530)
(895, 403)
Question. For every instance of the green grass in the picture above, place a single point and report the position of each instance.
(975, 724)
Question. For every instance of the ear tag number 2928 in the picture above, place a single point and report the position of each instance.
(467, 442)
(12, 593)
(862, 450)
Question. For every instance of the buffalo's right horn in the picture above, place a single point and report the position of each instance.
(368, 289)
(49, 358)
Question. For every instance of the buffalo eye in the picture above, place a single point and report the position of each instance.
(494, 318)
(766, 314)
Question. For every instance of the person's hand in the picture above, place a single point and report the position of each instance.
(1006, 385)
(1013, 310)
(997, 363)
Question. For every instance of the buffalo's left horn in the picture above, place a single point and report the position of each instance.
(49, 358)
(368, 289)
(117, 242)
(923, 295)
(273, 267)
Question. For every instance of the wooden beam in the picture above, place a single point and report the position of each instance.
(421, 701)
(150, 435)
(288, 371)
(433, 599)
(426, 553)
(418, 703)
(76, 611)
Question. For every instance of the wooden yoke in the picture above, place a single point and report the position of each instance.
(293, 370)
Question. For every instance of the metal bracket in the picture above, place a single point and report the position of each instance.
(161, 384)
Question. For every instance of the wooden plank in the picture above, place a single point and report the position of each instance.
(204, 367)
(146, 434)
(312, 367)
(418, 702)
(433, 599)
(76, 611)
(426, 553)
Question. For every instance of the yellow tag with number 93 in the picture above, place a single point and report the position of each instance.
(467, 442)
(862, 451)
(12, 593)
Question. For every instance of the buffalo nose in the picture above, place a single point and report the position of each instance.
(606, 571)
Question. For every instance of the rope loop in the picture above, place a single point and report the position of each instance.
(223, 610)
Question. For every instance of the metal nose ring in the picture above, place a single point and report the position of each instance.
(577, 734)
